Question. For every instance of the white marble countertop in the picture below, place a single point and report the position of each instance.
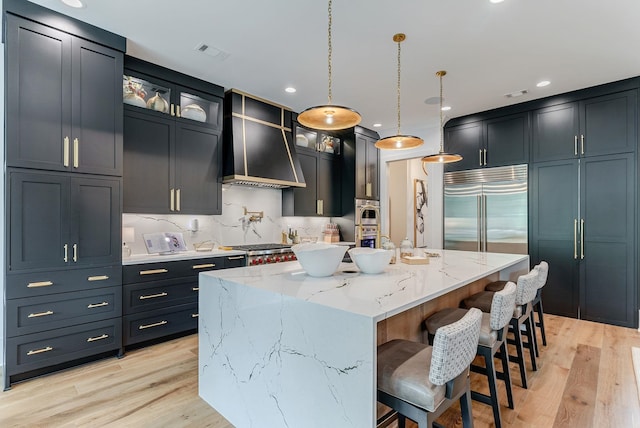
(136, 259)
(399, 287)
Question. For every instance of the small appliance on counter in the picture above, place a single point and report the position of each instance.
(164, 242)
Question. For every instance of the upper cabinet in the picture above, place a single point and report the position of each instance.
(367, 164)
(492, 142)
(594, 126)
(172, 142)
(64, 101)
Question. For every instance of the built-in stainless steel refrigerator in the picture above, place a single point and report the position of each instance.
(486, 210)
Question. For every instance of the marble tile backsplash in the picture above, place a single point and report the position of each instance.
(232, 227)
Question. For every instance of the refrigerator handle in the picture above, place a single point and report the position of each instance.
(581, 238)
(484, 223)
(575, 239)
(479, 221)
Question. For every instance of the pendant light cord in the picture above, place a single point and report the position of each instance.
(399, 87)
(441, 73)
(330, 49)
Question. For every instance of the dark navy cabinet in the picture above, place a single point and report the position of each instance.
(367, 158)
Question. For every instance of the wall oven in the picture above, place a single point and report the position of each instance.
(367, 223)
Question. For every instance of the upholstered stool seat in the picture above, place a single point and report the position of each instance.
(420, 381)
(446, 316)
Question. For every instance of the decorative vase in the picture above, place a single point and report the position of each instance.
(158, 103)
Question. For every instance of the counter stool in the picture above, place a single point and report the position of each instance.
(493, 335)
(526, 288)
(543, 272)
(420, 381)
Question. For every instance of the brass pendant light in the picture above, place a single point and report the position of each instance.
(441, 156)
(399, 141)
(329, 117)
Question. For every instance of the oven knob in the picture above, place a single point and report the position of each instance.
(254, 262)
(293, 257)
(277, 259)
(260, 261)
(268, 260)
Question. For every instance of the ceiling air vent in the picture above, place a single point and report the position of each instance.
(212, 51)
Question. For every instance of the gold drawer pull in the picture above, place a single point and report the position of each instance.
(39, 284)
(235, 258)
(153, 271)
(40, 314)
(40, 351)
(155, 324)
(204, 266)
(153, 296)
(195, 288)
(195, 315)
(93, 339)
(97, 305)
(98, 278)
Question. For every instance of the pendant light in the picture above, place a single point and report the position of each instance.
(441, 157)
(399, 141)
(329, 117)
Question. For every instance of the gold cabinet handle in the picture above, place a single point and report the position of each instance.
(581, 238)
(76, 145)
(98, 278)
(101, 337)
(575, 145)
(97, 305)
(155, 324)
(195, 315)
(153, 271)
(581, 144)
(66, 253)
(485, 157)
(195, 288)
(75, 252)
(153, 296)
(39, 284)
(172, 199)
(368, 189)
(178, 110)
(480, 155)
(178, 200)
(40, 314)
(40, 351)
(203, 266)
(575, 238)
(235, 258)
(65, 151)
(173, 110)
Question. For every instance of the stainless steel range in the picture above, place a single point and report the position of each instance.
(259, 254)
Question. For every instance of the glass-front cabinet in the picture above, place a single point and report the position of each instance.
(162, 97)
(318, 141)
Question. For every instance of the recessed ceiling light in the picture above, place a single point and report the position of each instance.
(290, 89)
(74, 3)
(496, 1)
(516, 93)
(446, 108)
(377, 125)
(542, 83)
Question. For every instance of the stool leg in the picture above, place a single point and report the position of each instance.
(519, 351)
(531, 345)
(532, 321)
(506, 373)
(541, 322)
(465, 409)
(493, 390)
(401, 420)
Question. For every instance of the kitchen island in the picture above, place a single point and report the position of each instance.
(278, 348)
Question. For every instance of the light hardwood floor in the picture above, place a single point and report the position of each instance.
(585, 379)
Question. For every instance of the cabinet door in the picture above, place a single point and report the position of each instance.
(467, 141)
(97, 109)
(507, 140)
(39, 221)
(302, 201)
(329, 188)
(607, 282)
(373, 163)
(608, 124)
(555, 132)
(367, 165)
(38, 95)
(147, 175)
(95, 221)
(554, 229)
(198, 166)
(200, 107)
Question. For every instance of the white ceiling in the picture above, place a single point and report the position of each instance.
(487, 49)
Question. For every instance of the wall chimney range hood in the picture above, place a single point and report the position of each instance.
(258, 148)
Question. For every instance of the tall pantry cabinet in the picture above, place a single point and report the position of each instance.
(63, 158)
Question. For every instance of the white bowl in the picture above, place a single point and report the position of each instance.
(370, 260)
(319, 259)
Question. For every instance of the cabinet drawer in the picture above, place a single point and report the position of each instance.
(61, 281)
(159, 294)
(34, 351)
(159, 323)
(234, 261)
(156, 271)
(35, 314)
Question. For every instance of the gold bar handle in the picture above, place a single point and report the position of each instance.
(178, 200)
(485, 157)
(155, 324)
(203, 266)
(153, 296)
(480, 155)
(97, 305)
(173, 110)
(98, 278)
(153, 271)
(581, 144)
(65, 151)
(368, 189)
(40, 351)
(66, 253)
(178, 110)
(76, 144)
(235, 258)
(575, 239)
(101, 337)
(39, 284)
(172, 199)
(40, 314)
(195, 288)
(575, 145)
(75, 252)
(581, 238)
(195, 315)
